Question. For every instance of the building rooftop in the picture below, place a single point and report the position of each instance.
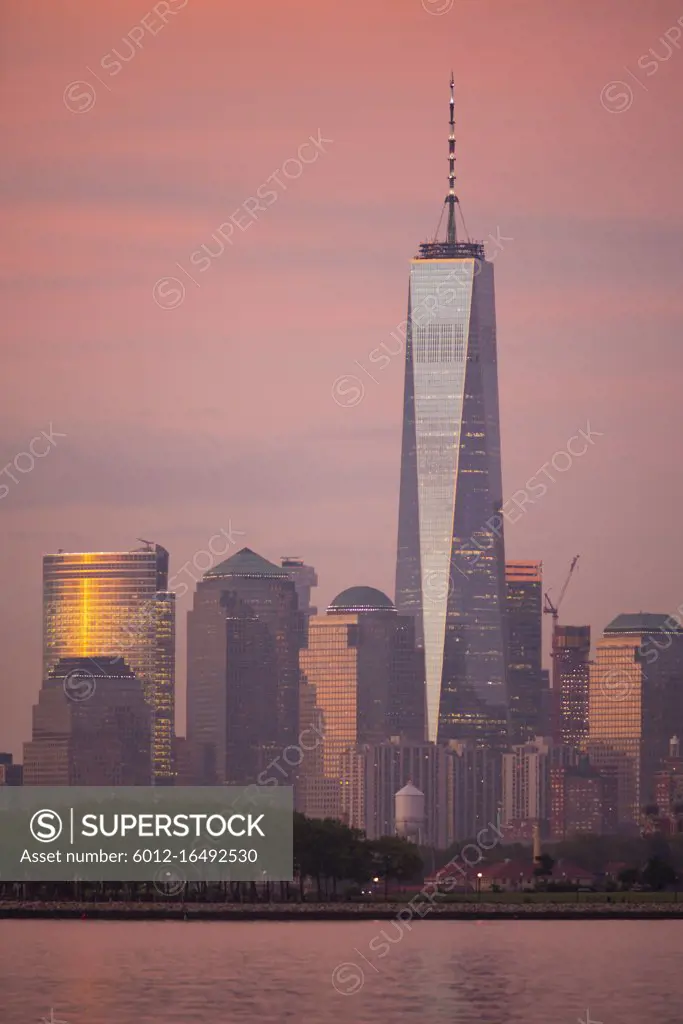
(451, 251)
(246, 563)
(642, 622)
(361, 599)
(106, 666)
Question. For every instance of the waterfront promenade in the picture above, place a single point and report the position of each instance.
(549, 906)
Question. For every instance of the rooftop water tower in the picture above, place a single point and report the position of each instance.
(409, 813)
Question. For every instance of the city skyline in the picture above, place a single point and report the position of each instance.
(369, 315)
(553, 710)
(577, 216)
(263, 671)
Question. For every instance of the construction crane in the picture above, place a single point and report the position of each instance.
(553, 609)
(555, 684)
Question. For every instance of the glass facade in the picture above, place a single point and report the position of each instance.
(615, 716)
(571, 666)
(525, 675)
(116, 605)
(330, 664)
(244, 633)
(635, 705)
(450, 571)
(362, 666)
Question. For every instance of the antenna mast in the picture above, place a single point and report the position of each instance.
(451, 198)
(451, 248)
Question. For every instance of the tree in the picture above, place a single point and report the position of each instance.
(658, 873)
(544, 866)
(329, 851)
(629, 877)
(396, 859)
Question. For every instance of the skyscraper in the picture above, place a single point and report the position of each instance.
(635, 704)
(527, 771)
(115, 604)
(668, 786)
(450, 572)
(365, 671)
(525, 783)
(390, 766)
(243, 636)
(91, 727)
(477, 777)
(571, 668)
(524, 617)
(581, 800)
(11, 774)
(305, 578)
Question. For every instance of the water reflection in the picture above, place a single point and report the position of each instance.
(89, 972)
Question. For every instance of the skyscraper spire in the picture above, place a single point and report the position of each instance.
(450, 480)
(451, 198)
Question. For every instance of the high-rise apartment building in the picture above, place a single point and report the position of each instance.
(115, 604)
(581, 801)
(351, 790)
(668, 786)
(476, 787)
(91, 727)
(450, 571)
(390, 766)
(524, 584)
(461, 783)
(526, 782)
(635, 704)
(243, 638)
(570, 673)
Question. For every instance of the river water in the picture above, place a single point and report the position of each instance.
(536, 972)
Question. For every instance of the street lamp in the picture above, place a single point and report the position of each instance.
(479, 876)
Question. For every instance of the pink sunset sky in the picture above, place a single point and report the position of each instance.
(181, 421)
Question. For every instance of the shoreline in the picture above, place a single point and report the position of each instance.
(335, 912)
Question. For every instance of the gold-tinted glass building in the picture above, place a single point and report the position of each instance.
(368, 682)
(330, 665)
(635, 703)
(115, 604)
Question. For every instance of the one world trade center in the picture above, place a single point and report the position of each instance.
(450, 570)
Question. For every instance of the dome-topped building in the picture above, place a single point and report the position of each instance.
(364, 681)
(360, 599)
